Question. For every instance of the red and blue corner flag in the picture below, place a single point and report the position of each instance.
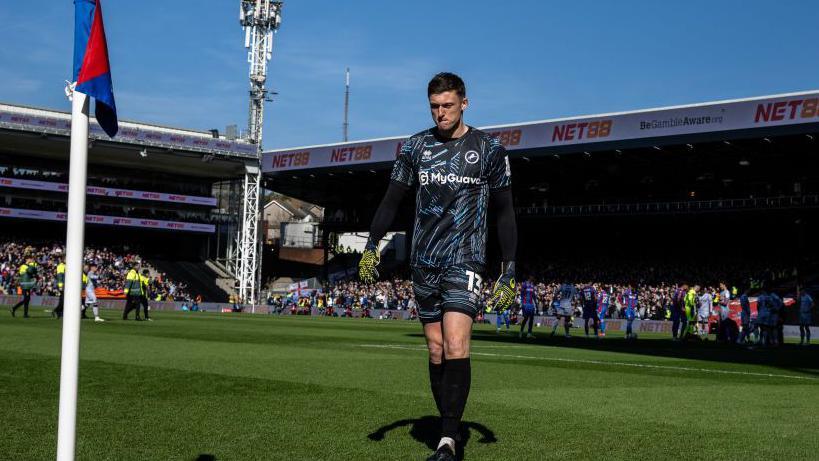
(91, 69)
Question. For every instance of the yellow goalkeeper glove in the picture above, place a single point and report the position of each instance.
(505, 289)
(367, 271)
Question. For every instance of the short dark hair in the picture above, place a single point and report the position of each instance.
(446, 81)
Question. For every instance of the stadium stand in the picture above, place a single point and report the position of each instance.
(112, 265)
(199, 278)
(172, 193)
(699, 193)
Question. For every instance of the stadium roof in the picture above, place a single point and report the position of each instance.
(710, 121)
(44, 134)
(707, 137)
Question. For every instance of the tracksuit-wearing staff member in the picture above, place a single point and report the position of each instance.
(133, 293)
(27, 275)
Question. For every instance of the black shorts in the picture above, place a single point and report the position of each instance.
(441, 289)
(589, 311)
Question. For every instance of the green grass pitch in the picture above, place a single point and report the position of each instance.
(242, 387)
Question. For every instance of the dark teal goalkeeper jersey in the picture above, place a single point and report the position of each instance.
(453, 180)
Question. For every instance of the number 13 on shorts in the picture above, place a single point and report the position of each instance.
(475, 282)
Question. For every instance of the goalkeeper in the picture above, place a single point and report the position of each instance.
(456, 172)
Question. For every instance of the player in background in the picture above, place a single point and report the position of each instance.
(589, 298)
(528, 304)
(630, 300)
(679, 321)
(744, 317)
(762, 318)
(602, 309)
(567, 292)
(806, 305)
(776, 319)
(91, 295)
(724, 314)
(690, 305)
(704, 313)
(501, 317)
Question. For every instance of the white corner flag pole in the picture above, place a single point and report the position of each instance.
(74, 243)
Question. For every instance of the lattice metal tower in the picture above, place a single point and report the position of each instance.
(260, 19)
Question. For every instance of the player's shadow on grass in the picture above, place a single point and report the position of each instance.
(205, 457)
(427, 430)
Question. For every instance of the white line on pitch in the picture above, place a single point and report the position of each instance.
(603, 362)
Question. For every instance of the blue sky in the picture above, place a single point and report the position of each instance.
(182, 62)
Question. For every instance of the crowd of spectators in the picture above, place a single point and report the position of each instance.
(345, 297)
(654, 283)
(112, 266)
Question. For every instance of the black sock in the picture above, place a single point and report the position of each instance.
(454, 393)
(436, 375)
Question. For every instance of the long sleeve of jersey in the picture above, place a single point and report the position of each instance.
(507, 226)
(385, 214)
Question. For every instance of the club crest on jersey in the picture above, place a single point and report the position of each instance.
(427, 155)
(472, 157)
